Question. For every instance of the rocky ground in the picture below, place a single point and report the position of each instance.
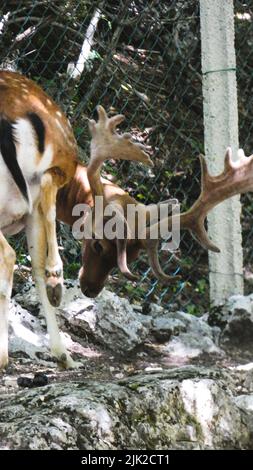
(159, 380)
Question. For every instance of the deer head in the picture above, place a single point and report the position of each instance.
(100, 256)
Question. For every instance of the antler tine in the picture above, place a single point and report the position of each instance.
(208, 181)
(199, 233)
(241, 155)
(106, 143)
(228, 160)
(92, 126)
(205, 176)
(236, 178)
(152, 252)
(114, 121)
(102, 115)
(102, 121)
(122, 259)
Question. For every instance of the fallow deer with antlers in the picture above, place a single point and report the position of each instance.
(99, 257)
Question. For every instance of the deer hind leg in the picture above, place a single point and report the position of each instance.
(7, 261)
(53, 265)
(37, 245)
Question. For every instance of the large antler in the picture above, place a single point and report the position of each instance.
(237, 178)
(106, 143)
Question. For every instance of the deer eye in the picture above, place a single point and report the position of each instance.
(98, 247)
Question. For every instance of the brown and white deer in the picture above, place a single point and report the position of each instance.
(37, 156)
(99, 257)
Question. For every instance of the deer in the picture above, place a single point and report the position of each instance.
(100, 256)
(38, 155)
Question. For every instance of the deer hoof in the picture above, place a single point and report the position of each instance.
(54, 293)
(66, 362)
(4, 361)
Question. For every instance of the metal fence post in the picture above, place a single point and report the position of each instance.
(221, 130)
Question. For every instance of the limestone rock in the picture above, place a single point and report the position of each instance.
(110, 320)
(238, 332)
(185, 408)
(245, 402)
(191, 407)
(194, 338)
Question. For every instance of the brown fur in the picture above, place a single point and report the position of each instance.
(19, 95)
(95, 267)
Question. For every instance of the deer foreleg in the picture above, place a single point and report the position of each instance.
(37, 245)
(7, 261)
(53, 264)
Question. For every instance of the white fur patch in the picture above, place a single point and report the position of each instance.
(46, 159)
(12, 204)
(27, 149)
(59, 113)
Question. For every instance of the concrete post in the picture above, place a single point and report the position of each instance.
(221, 131)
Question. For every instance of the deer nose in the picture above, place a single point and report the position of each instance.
(91, 293)
(90, 290)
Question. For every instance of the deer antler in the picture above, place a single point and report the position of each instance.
(106, 143)
(237, 178)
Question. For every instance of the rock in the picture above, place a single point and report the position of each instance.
(118, 326)
(188, 407)
(238, 332)
(183, 408)
(109, 320)
(245, 402)
(28, 298)
(115, 324)
(27, 337)
(240, 302)
(164, 327)
(193, 338)
(152, 309)
(249, 380)
(217, 316)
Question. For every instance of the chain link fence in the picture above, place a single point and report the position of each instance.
(143, 59)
